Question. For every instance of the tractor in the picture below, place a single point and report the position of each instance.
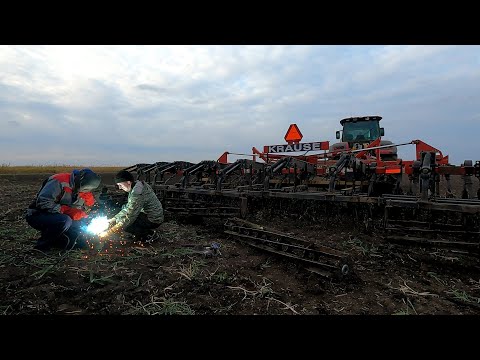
(358, 132)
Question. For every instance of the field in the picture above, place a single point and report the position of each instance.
(167, 277)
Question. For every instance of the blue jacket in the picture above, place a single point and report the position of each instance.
(58, 190)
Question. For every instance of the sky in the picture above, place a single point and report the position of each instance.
(123, 105)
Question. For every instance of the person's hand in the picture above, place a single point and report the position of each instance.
(87, 197)
(103, 234)
(64, 209)
(111, 222)
(75, 214)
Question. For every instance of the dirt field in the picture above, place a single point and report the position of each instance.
(167, 278)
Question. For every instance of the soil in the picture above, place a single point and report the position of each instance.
(166, 277)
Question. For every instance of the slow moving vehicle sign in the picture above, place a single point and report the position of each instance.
(293, 137)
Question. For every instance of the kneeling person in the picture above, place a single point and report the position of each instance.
(141, 214)
(59, 207)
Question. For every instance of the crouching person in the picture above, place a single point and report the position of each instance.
(59, 207)
(141, 214)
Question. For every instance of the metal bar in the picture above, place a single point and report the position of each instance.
(443, 231)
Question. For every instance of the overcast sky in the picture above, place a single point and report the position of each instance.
(122, 105)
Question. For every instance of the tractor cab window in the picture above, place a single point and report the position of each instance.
(361, 131)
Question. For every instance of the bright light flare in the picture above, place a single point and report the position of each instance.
(98, 225)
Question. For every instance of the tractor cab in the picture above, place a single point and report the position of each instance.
(360, 131)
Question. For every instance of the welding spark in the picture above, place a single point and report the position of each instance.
(97, 225)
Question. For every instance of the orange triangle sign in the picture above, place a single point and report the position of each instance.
(293, 134)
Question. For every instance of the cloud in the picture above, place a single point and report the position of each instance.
(132, 104)
(13, 123)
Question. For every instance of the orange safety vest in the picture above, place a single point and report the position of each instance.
(65, 197)
(73, 209)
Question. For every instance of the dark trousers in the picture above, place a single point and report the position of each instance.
(58, 230)
(141, 227)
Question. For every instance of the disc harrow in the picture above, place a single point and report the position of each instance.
(360, 177)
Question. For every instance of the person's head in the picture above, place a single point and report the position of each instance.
(86, 180)
(124, 180)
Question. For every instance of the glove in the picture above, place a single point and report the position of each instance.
(75, 214)
(78, 214)
(104, 234)
(64, 209)
(87, 197)
(111, 230)
(111, 222)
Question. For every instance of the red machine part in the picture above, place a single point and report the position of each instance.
(382, 167)
(440, 160)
